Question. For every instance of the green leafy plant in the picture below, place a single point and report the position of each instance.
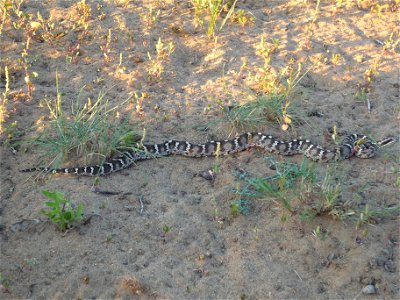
(62, 212)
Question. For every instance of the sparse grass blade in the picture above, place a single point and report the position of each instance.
(211, 11)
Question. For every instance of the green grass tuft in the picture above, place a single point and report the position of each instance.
(296, 188)
(91, 130)
(266, 109)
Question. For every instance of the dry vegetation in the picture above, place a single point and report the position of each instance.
(82, 80)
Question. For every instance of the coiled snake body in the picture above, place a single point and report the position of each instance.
(352, 145)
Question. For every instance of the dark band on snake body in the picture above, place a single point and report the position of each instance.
(352, 145)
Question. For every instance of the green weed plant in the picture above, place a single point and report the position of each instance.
(61, 211)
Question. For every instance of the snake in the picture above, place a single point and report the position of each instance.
(357, 145)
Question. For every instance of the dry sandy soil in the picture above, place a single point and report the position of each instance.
(123, 252)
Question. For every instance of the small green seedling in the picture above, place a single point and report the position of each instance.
(4, 283)
(235, 209)
(240, 206)
(166, 228)
(62, 213)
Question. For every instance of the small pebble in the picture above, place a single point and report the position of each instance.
(369, 289)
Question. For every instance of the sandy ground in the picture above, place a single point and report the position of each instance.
(123, 252)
